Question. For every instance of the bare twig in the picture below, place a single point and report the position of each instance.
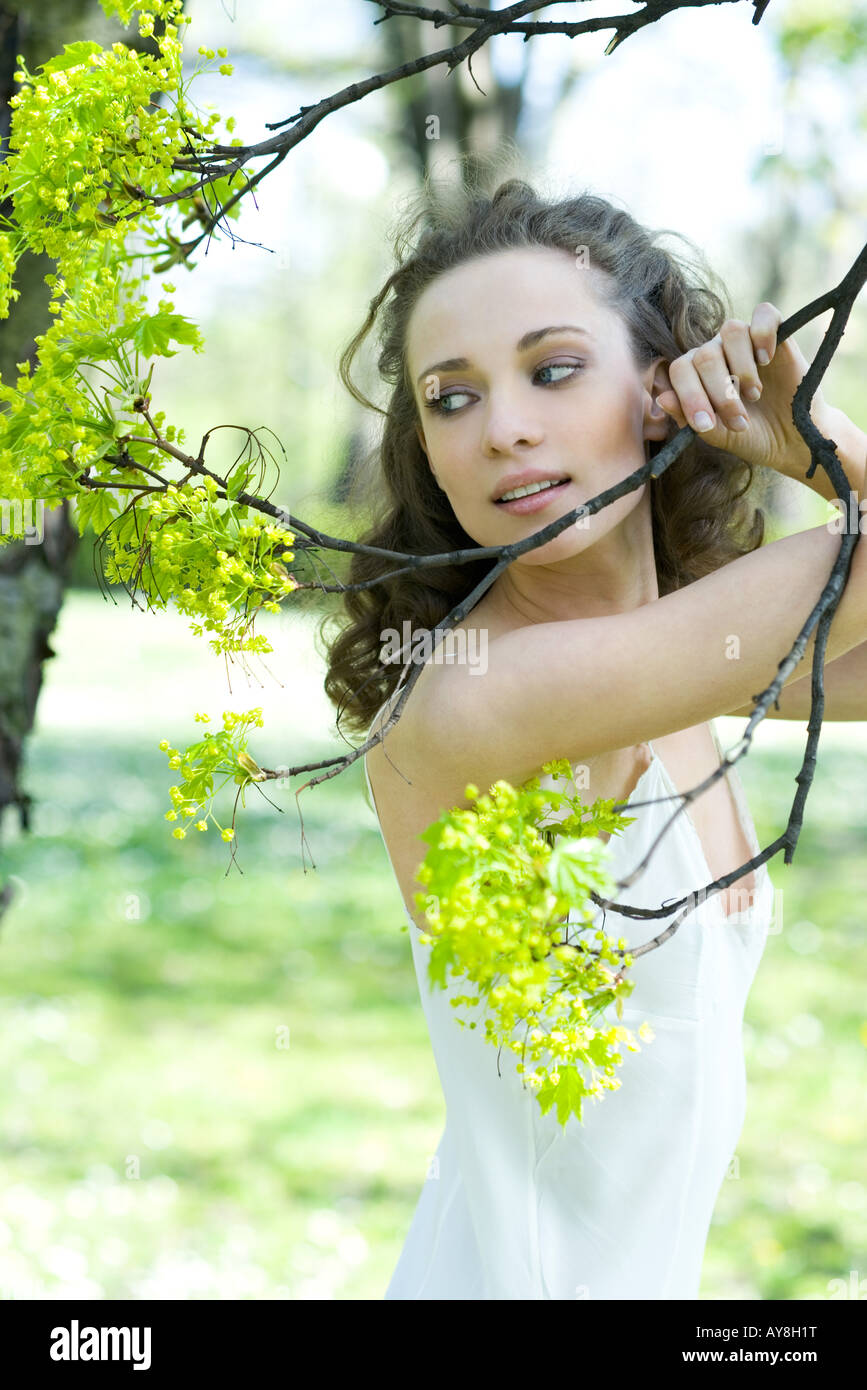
(219, 161)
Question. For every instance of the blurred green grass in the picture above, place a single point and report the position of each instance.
(222, 1086)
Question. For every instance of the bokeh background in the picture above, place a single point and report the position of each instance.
(218, 1083)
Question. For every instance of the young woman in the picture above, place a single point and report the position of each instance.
(530, 341)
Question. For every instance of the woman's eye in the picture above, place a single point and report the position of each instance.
(437, 402)
(568, 367)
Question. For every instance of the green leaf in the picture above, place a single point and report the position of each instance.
(73, 55)
(124, 532)
(236, 483)
(153, 334)
(440, 955)
(567, 1092)
(95, 508)
(597, 1049)
(578, 864)
(108, 446)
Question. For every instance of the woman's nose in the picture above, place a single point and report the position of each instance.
(504, 429)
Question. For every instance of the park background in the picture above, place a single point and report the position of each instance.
(143, 987)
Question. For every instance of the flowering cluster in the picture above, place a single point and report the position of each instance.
(91, 148)
(102, 174)
(217, 565)
(502, 893)
(57, 422)
(94, 137)
(224, 752)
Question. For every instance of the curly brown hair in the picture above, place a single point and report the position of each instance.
(702, 517)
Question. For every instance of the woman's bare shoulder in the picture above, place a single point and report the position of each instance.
(410, 774)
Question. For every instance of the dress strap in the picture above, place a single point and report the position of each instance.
(740, 798)
(371, 799)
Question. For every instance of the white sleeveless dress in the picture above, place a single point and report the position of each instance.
(618, 1206)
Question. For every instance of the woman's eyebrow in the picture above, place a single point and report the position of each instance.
(454, 364)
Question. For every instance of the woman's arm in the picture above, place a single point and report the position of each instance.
(845, 690)
(703, 379)
(577, 688)
(846, 676)
(851, 445)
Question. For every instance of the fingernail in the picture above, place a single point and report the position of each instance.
(753, 393)
(703, 422)
(762, 357)
(740, 422)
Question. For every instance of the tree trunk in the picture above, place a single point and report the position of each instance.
(33, 571)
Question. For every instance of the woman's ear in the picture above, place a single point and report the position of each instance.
(656, 384)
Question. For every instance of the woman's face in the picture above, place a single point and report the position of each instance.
(518, 367)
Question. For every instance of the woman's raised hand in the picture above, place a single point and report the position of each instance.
(744, 381)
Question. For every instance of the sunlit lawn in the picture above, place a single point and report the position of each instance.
(222, 1086)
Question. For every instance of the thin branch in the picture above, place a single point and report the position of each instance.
(219, 161)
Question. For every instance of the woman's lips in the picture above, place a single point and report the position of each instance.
(534, 501)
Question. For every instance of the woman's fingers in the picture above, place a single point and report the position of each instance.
(763, 331)
(716, 379)
(701, 379)
(744, 380)
(712, 381)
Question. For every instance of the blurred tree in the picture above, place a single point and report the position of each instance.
(803, 169)
(811, 201)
